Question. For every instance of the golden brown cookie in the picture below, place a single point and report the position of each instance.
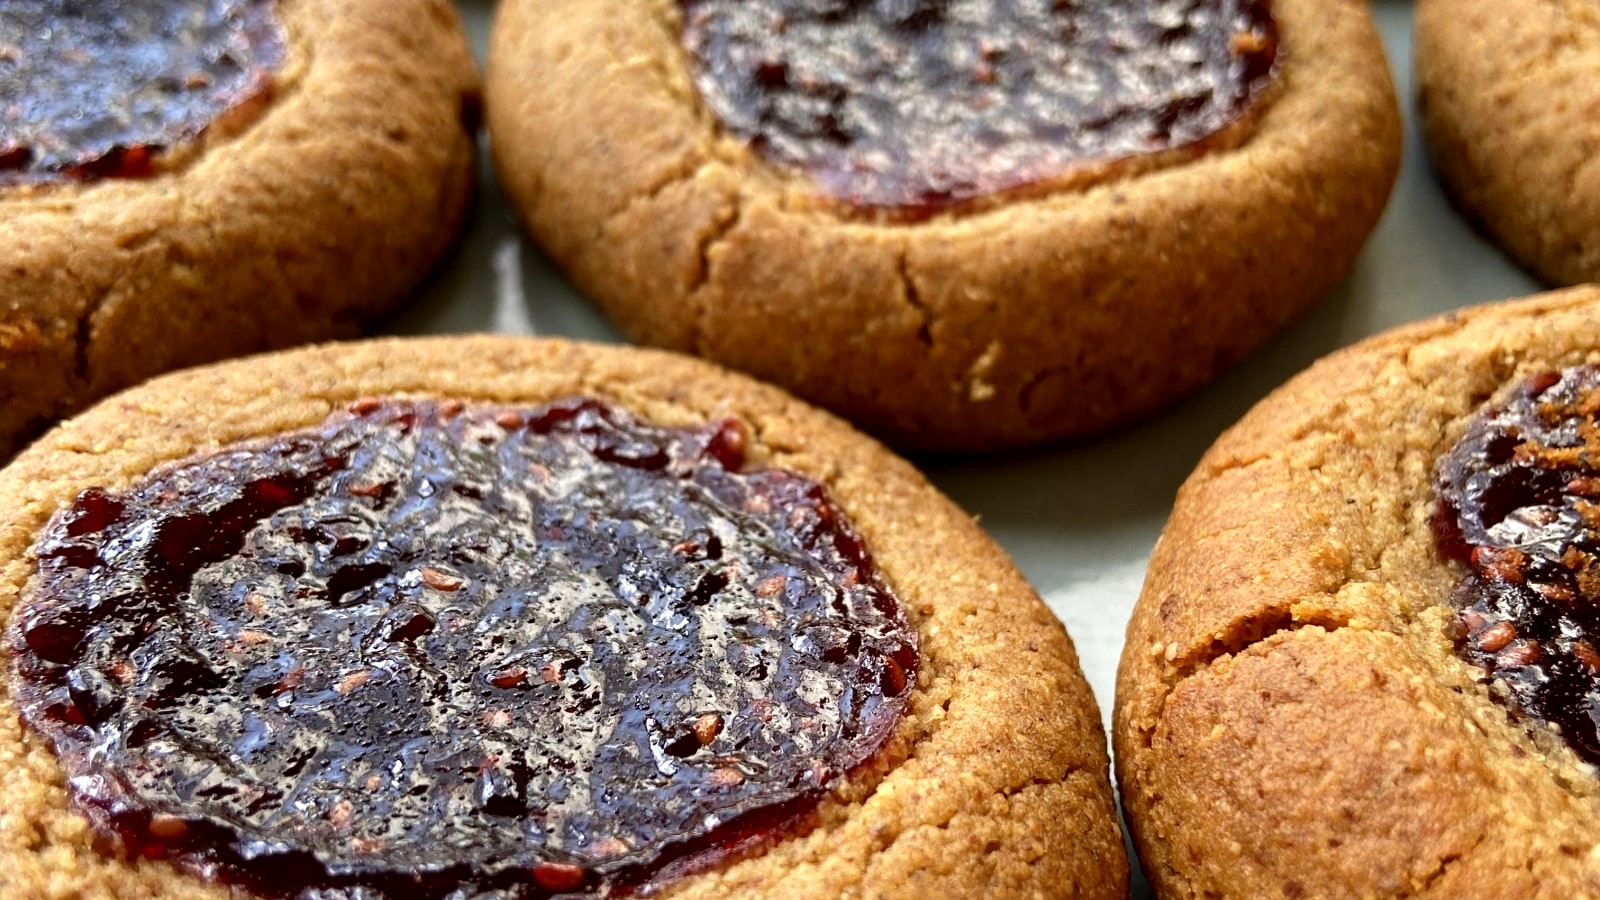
(1506, 94)
(282, 172)
(991, 782)
(1362, 637)
(935, 299)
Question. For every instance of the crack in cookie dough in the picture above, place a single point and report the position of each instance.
(1182, 660)
(702, 282)
(1424, 785)
(909, 293)
(83, 334)
(1242, 635)
(1026, 393)
(706, 243)
(1445, 863)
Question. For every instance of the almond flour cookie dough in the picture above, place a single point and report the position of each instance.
(949, 220)
(346, 487)
(185, 180)
(1506, 97)
(1362, 660)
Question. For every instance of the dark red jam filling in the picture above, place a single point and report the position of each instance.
(433, 651)
(920, 104)
(93, 88)
(1517, 504)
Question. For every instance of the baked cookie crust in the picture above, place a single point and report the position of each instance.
(293, 225)
(995, 784)
(1035, 317)
(1506, 94)
(1292, 717)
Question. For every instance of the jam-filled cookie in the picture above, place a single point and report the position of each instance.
(504, 618)
(183, 180)
(1366, 661)
(960, 223)
(1507, 93)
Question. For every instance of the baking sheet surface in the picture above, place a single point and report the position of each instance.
(1079, 520)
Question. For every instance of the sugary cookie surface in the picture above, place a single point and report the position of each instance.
(918, 104)
(94, 88)
(435, 650)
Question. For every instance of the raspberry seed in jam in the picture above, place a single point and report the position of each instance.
(437, 650)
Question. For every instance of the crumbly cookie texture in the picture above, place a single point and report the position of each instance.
(1029, 318)
(1506, 92)
(296, 224)
(1292, 717)
(994, 785)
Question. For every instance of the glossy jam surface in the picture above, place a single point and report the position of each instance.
(1517, 504)
(920, 104)
(434, 651)
(93, 88)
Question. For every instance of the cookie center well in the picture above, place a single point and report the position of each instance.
(93, 88)
(1519, 505)
(428, 650)
(920, 104)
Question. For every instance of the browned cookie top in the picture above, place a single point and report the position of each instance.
(91, 88)
(1381, 583)
(428, 649)
(990, 657)
(918, 104)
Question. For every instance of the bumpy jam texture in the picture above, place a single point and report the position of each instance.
(93, 88)
(920, 104)
(1517, 503)
(434, 651)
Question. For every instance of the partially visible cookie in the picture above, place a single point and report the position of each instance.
(186, 180)
(519, 618)
(960, 224)
(1507, 94)
(1363, 663)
